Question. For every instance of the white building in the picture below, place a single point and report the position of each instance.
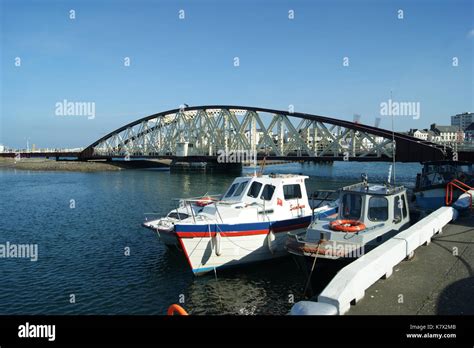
(420, 134)
(463, 120)
(448, 134)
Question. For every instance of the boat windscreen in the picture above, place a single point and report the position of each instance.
(239, 189)
(231, 190)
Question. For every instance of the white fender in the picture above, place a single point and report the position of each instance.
(218, 244)
(270, 240)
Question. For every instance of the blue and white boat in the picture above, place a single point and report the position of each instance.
(247, 224)
(431, 183)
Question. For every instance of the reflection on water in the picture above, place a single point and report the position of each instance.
(81, 249)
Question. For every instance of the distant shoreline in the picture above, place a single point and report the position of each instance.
(52, 165)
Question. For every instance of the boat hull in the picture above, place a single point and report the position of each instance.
(432, 199)
(168, 238)
(217, 246)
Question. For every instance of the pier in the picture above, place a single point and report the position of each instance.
(439, 279)
(426, 269)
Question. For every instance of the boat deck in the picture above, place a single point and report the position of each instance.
(435, 281)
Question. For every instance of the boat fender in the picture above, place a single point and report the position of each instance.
(270, 240)
(218, 244)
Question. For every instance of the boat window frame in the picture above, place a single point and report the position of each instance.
(405, 206)
(361, 201)
(263, 190)
(368, 208)
(259, 190)
(397, 209)
(294, 197)
(231, 189)
(241, 188)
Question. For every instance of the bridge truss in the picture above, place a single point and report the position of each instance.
(206, 131)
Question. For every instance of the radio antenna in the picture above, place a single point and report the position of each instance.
(393, 139)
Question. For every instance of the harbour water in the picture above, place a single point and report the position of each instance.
(95, 258)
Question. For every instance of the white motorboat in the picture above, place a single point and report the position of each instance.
(164, 226)
(246, 224)
(368, 215)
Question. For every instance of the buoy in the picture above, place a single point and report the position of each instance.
(174, 308)
(347, 225)
(270, 240)
(218, 244)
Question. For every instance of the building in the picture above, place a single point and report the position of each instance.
(419, 133)
(425, 134)
(447, 134)
(463, 120)
(469, 132)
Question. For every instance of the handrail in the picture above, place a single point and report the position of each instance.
(459, 185)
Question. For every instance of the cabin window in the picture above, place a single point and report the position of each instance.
(397, 209)
(254, 189)
(378, 209)
(231, 190)
(292, 191)
(400, 205)
(405, 206)
(351, 206)
(267, 192)
(241, 187)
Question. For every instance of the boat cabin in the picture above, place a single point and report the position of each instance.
(374, 204)
(274, 197)
(377, 209)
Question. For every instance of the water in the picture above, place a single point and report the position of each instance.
(83, 223)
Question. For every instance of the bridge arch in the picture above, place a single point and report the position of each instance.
(200, 132)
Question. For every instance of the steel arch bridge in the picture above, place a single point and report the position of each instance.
(199, 133)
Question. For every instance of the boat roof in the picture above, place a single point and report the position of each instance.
(373, 189)
(277, 176)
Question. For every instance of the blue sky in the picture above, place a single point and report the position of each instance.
(176, 61)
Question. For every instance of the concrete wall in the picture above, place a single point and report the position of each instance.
(350, 283)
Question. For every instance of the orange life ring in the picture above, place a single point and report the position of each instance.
(174, 308)
(204, 201)
(347, 225)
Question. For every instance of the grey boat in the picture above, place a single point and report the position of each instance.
(368, 215)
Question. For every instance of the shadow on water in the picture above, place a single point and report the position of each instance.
(268, 287)
(264, 288)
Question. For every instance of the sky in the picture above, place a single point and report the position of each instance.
(282, 61)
